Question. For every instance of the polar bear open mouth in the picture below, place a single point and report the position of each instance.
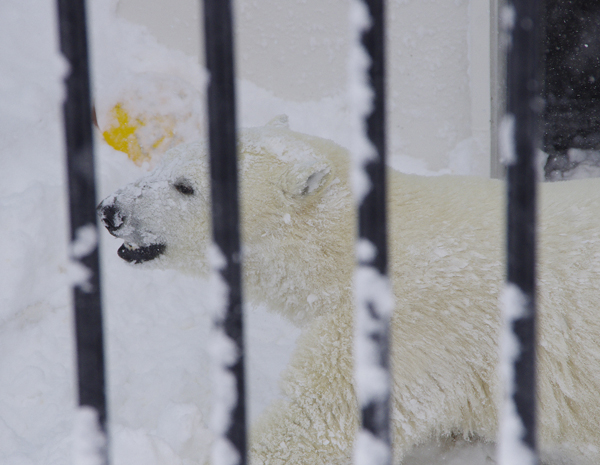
(137, 254)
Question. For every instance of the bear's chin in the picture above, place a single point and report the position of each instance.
(141, 254)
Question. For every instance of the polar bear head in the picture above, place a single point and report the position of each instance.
(296, 221)
(163, 218)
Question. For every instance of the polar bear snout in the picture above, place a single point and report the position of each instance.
(111, 216)
(139, 246)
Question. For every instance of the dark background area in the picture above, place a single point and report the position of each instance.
(571, 118)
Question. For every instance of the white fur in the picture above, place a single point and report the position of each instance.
(446, 244)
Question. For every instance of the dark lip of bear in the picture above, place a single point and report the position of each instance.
(141, 254)
(113, 220)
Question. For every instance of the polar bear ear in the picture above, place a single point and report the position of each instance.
(280, 121)
(314, 182)
(303, 180)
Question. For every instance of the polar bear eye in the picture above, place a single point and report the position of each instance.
(184, 187)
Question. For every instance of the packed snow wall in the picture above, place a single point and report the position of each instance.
(439, 69)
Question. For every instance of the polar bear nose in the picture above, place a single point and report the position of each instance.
(111, 217)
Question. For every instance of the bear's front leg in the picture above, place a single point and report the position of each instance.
(318, 422)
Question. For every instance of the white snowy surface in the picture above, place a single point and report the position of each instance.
(89, 441)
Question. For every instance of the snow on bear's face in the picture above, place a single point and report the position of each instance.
(163, 217)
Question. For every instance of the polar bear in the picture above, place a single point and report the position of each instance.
(446, 263)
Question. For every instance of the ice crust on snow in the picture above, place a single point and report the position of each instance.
(506, 135)
(369, 450)
(512, 450)
(225, 354)
(365, 251)
(79, 276)
(373, 293)
(374, 302)
(361, 99)
(508, 17)
(89, 441)
(224, 453)
(86, 241)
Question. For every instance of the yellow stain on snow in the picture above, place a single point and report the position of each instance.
(125, 133)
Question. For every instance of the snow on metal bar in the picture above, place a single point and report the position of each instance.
(517, 440)
(229, 417)
(374, 299)
(84, 232)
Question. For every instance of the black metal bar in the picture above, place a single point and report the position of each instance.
(82, 195)
(372, 222)
(224, 189)
(372, 213)
(523, 105)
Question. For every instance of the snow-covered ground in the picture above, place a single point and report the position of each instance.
(156, 324)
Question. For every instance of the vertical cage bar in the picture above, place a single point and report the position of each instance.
(372, 211)
(374, 299)
(522, 22)
(224, 190)
(82, 196)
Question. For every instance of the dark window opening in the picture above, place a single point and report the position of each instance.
(572, 89)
